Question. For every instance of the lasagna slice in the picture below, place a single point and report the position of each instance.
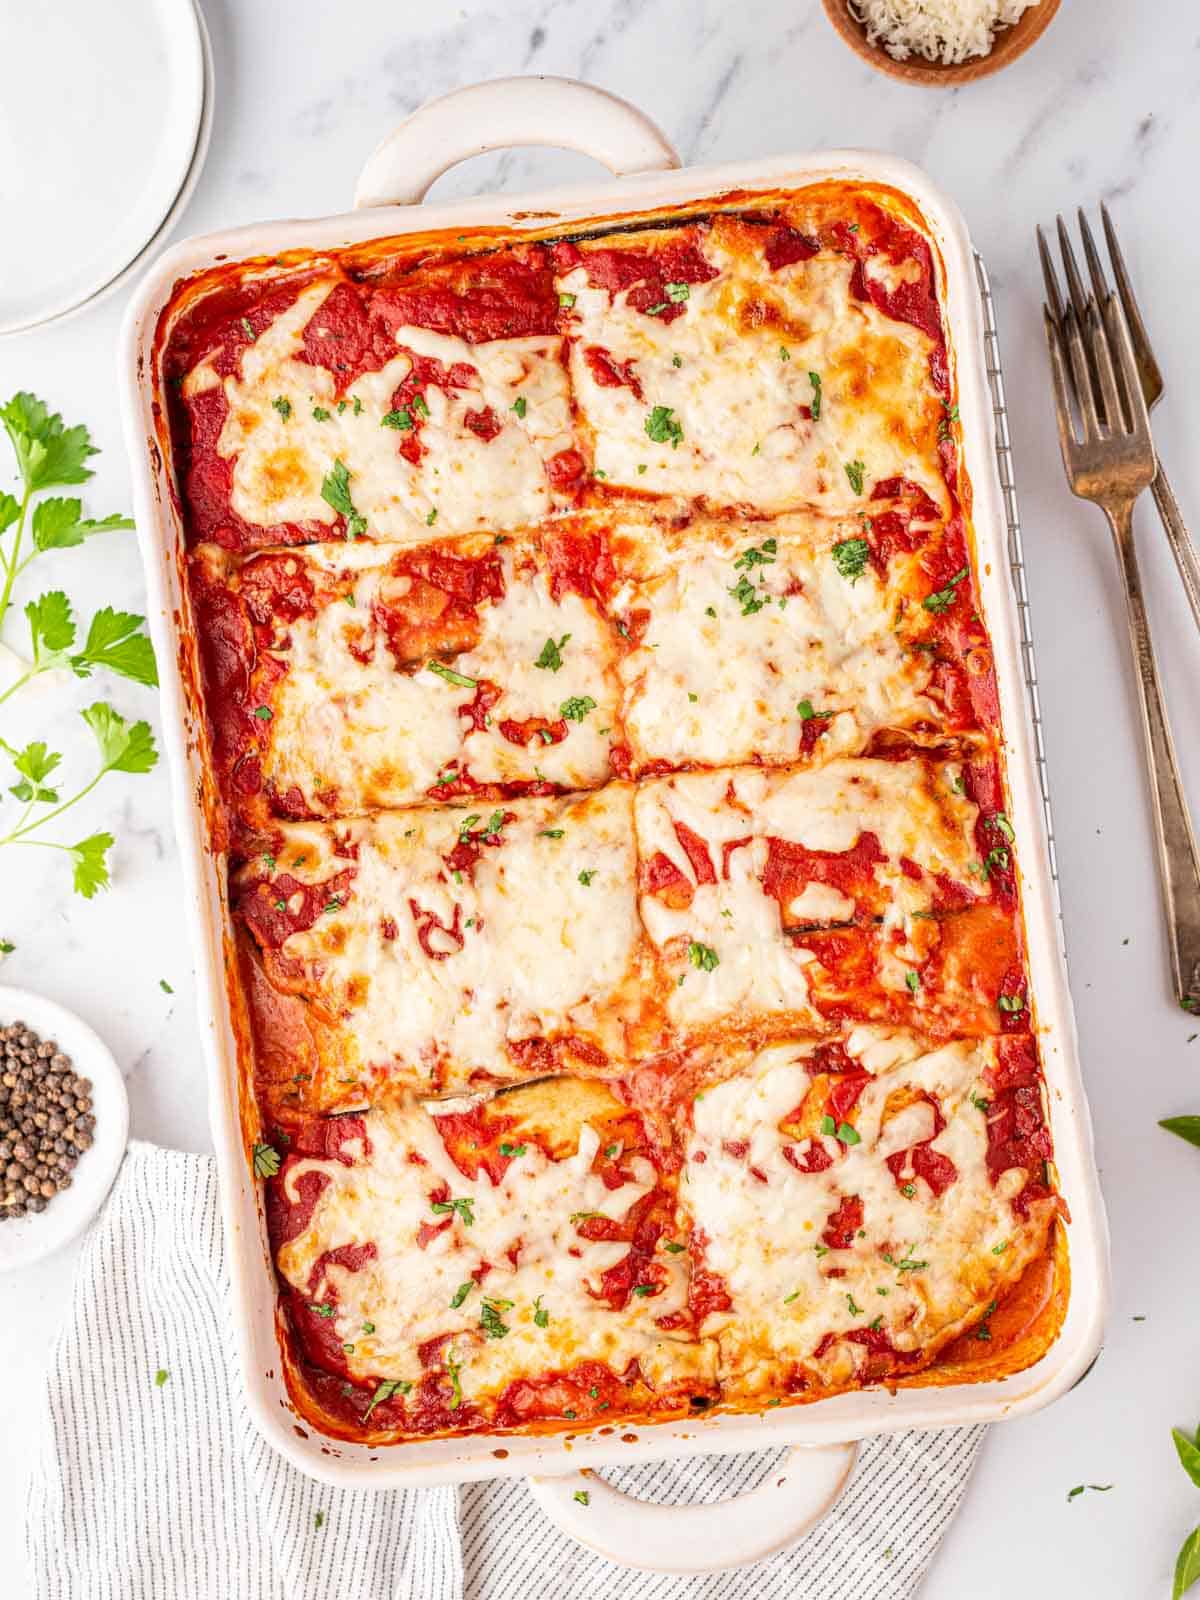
(342, 678)
(437, 948)
(740, 362)
(783, 900)
(859, 1203)
(486, 1265)
(331, 410)
(798, 639)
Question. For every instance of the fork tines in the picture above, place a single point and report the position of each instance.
(1091, 352)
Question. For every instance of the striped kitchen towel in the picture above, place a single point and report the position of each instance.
(151, 1483)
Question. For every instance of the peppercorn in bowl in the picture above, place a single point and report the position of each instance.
(64, 1124)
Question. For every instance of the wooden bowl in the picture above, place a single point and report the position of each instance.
(1009, 44)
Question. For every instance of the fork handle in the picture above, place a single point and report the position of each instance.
(1179, 539)
(1178, 857)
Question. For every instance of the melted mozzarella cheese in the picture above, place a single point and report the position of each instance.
(521, 1244)
(789, 1289)
(351, 731)
(911, 808)
(282, 451)
(734, 370)
(733, 658)
(541, 941)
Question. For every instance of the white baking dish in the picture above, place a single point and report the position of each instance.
(563, 113)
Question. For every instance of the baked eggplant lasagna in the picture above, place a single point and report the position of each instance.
(606, 767)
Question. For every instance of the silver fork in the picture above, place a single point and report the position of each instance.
(1110, 464)
(1149, 373)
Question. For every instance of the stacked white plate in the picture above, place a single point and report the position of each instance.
(104, 124)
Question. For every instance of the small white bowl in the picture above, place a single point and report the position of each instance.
(24, 1240)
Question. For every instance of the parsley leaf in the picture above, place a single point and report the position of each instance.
(462, 1207)
(703, 957)
(459, 679)
(855, 471)
(550, 659)
(663, 427)
(160, 1377)
(114, 642)
(335, 491)
(815, 379)
(385, 1391)
(850, 557)
(266, 1160)
(541, 1316)
(1187, 1128)
(942, 599)
(51, 623)
(90, 863)
(490, 1320)
(60, 524)
(577, 707)
(48, 455)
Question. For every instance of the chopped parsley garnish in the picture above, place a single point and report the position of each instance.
(850, 557)
(283, 405)
(431, 518)
(677, 293)
(703, 957)
(324, 1310)
(748, 597)
(165, 986)
(541, 1317)
(854, 471)
(461, 1293)
(855, 1311)
(644, 1289)
(453, 1368)
(784, 353)
(795, 1295)
(999, 1249)
(582, 1497)
(943, 431)
(385, 1391)
(847, 1134)
(419, 406)
(263, 713)
(513, 1150)
(908, 1190)
(566, 301)
(983, 1331)
(550, 659)
(520, 405)
(675, 1248)
(463, 1207)
(828, 1125)
(663, 427)
(459, 679)
(335, 491)
(757, 555)
(396, 419)
(913, 981)
(585, 878)
(161, 1376)
(1011, 1002)
(996, 860)
(266, 1160)
(551, 833)
(815, 379)
(368, 1327)
(577, 707)
(821, 1250)
(490, 1320)
(941, 599)
(246, 328)
(320, 414)
(805, 708)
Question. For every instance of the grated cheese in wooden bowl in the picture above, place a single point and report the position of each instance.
(949, 31)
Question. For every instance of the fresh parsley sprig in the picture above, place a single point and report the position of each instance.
(50, 455)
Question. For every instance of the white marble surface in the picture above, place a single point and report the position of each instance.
(1107, 105)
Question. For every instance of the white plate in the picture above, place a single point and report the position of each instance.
(28, 1239)
(86, 189)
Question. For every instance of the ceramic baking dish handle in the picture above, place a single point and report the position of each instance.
(699, 1538)
(510, 111)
